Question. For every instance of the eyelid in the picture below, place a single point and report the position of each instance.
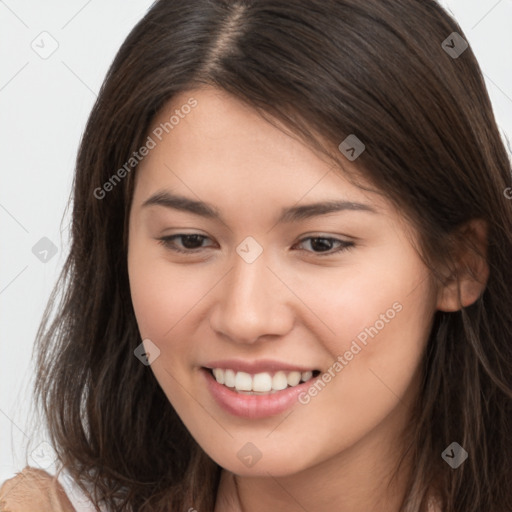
(167, 242)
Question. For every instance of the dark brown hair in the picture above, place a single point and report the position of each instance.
(326, 69)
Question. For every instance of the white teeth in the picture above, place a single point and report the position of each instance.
(279, 381)
(306, 376)
(229, 378)
(293, 378)
(261, 382)
(219, 375)
(243, 381)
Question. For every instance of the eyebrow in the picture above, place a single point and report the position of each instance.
(288, 215)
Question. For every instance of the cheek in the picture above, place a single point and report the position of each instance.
(382, 327)
(378, 316)
(162, 294)
(354, 301)
(378, 370)
(382, 301)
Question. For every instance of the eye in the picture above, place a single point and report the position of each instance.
(192, 243)
(324, 244)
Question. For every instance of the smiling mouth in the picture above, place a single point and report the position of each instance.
(263, 383)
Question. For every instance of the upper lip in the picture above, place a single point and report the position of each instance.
(258, 366)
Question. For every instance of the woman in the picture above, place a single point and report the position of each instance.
(288, 286)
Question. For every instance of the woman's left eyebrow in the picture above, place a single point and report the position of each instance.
(291, 214)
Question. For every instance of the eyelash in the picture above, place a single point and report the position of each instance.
(168, 242)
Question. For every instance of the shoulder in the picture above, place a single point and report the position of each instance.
(33, 489)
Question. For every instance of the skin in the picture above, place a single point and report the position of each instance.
(291, 304)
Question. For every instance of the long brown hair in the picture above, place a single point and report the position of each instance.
(377, 69)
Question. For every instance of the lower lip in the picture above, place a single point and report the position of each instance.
(254, 406)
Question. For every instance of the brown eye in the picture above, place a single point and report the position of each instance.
(324, 245)
(191, 242)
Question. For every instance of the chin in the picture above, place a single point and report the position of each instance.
(277, 465)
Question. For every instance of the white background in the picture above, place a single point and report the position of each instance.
(44, 105)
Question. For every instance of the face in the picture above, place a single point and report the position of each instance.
(314, 320)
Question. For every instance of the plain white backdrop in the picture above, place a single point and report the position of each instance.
(53, 58)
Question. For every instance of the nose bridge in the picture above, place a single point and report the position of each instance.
(252, 300)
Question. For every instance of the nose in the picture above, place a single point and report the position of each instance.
(252, 303)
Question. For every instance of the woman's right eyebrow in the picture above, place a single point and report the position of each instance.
(291, 214)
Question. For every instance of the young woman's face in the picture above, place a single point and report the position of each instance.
(269, 289)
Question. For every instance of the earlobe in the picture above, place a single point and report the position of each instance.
(468, 281)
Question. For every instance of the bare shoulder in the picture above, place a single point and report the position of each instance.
(33, 489)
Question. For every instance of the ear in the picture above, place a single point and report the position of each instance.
(468, 280)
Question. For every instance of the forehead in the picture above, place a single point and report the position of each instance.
(222, 146)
